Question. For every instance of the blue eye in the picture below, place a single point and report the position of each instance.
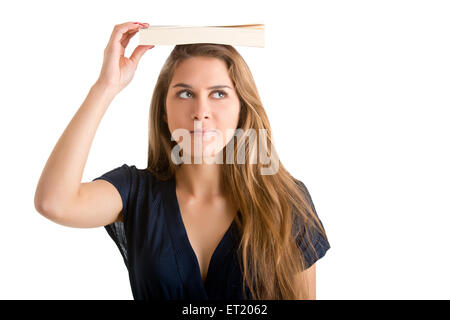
(216, 91)
(222, 92)
(179, 92)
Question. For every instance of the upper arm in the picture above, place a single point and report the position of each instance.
(98, 203)
(308, 278)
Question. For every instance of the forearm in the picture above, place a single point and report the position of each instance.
(61, 177)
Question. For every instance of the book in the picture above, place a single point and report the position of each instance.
(249, 35)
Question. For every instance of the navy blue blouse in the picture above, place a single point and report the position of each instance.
(156, 250)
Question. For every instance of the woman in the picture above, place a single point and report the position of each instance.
(204, 227)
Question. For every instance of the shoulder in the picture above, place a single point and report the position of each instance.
(305, 194)
(302, 187)
(127, 171)
(129, 179)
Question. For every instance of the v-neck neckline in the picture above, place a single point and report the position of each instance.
(188, 264)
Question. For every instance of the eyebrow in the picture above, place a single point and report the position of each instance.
(190, 87)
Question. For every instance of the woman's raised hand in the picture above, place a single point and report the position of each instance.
(117, 71)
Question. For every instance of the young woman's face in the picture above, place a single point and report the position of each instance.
(193, 102)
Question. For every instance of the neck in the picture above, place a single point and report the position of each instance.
(200, 180)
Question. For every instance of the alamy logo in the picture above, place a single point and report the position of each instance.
(213, 148)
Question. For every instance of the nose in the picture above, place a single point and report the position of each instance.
(201, 109)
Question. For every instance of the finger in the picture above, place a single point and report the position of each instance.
(139, 52)
(116, 29)
(131, 32)
(121, 29)
(126, 39)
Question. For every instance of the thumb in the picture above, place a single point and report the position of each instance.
(139, 52)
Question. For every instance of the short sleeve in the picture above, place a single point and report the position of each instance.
(120, 178)
(319, 241)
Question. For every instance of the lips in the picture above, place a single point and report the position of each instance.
(203, 131)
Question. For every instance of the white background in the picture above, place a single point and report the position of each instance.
(357, 94)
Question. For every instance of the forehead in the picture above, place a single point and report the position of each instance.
(202, 71)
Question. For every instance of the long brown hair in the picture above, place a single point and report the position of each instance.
(270, 205)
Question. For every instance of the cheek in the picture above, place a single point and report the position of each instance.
(175, 117)
(228, 123)
(229, 117)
